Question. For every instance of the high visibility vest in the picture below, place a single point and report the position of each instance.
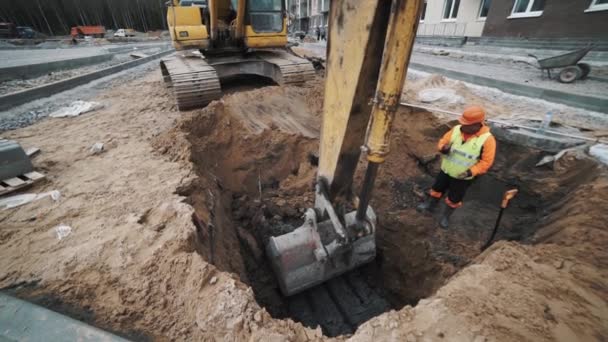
(462, 156)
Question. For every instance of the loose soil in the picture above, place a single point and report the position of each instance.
(170, 223)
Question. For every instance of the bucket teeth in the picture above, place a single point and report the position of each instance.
(313, 254)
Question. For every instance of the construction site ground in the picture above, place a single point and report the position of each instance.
(168, 224)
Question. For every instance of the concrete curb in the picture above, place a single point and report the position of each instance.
(18, 98)
(34, 70)
(24, 321)
(580, 101)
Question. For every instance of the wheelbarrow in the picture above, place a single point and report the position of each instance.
(572, 69)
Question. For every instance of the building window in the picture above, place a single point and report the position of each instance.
(423, 14)
(598, 5)
(450, 10)
(484, 8)
(527, 8)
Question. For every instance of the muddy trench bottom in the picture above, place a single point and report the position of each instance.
(414, 256)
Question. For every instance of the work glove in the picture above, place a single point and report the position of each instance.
(465, 174)
(446, 149)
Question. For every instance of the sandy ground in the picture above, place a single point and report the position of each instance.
(513, 72)
(136, 262)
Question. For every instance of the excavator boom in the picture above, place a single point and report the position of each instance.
(370, 43)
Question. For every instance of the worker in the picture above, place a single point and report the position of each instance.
(468, 151)
(318, 33)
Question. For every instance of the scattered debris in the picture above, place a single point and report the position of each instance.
(138, 55)
(76, 108)
(553, 158)
(317, 63)
(440, 94)
(62, 231)
(97, 148)
(600, 151)
(440, 53)
(19, 200)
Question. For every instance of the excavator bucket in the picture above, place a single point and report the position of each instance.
(317, 251)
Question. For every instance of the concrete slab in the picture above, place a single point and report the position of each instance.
(537, 140)
(24, 321)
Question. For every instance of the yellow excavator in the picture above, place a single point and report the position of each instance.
(370, 44)
(222, 39)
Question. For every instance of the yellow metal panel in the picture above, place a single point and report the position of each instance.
(194, 33)
(397, 51)
(249, 32)
(191, 44)
(240, 18)
(265, 39)
(184, 16)
(187, 19)
(356, 36)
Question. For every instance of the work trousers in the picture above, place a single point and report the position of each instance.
(456, 189)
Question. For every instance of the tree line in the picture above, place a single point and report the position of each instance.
(56, 17)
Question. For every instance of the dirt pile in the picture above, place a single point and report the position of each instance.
(169, 226)
(265, 189)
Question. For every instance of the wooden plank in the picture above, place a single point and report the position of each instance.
(34, 175)
(32, 151)
(13, 182)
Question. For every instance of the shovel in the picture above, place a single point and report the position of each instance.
(509, 194)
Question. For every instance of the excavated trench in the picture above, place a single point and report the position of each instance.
(253, 185)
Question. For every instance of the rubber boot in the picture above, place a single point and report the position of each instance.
(428, 205)
(445, 216)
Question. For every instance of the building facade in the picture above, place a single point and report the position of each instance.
(308, 14)
(453, 18)
(548, 19)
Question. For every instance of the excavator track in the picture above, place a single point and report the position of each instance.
(196, 80)
(294, 70)
(195, 83)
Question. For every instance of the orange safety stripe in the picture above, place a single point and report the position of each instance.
(452, 204)
(435, 194)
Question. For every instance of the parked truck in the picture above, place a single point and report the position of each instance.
(93, 31)
(8, 30)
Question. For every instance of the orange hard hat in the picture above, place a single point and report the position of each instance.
(472, 115)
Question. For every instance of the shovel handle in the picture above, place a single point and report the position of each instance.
(509, 194)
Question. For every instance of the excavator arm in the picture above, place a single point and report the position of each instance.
(370, 44)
